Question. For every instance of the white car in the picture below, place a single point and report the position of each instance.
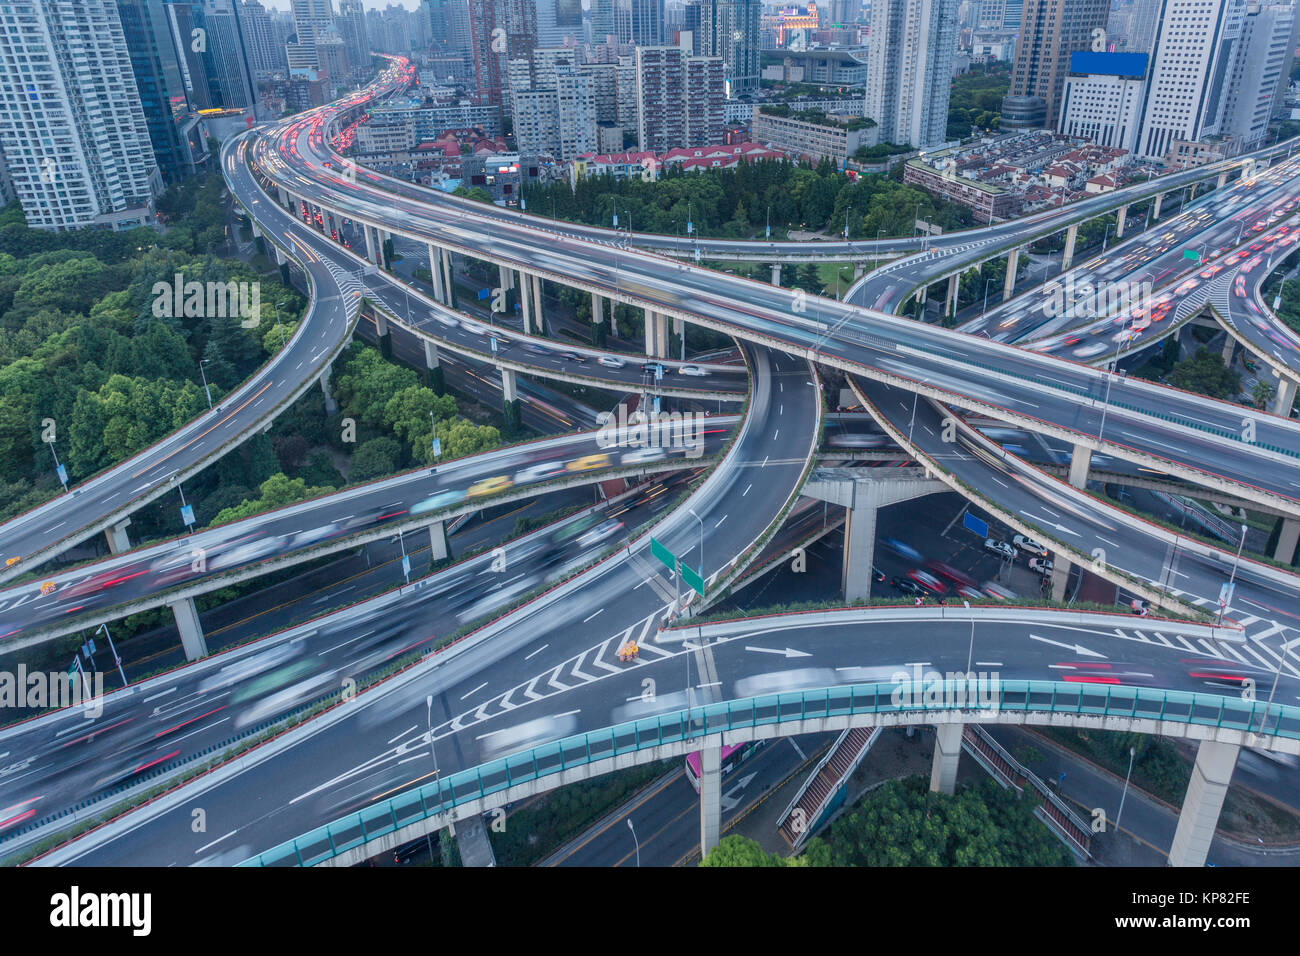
(693, 370)
(1000, 548)
(1041, 565)
(1029, 546)
(638, 456)
(610, 362)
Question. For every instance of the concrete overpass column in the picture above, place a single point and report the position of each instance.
(540, 320)
(187, 622)
(950, 303)
(1120, 219)
(371, 255)
(331, 406)
(1223, 179)
(1060, 577)
(1229, 349)
(859, 544)
(117, 537)
(1071, 236)
(597, 309)
(439, 546)
(1080, 460)
(505, 278)
(1155, 213)
(1205, 792)
(710, 798)
(651, 341)
(776, 273)
(381, 240)
(435, 272)
(1284, 398)
(448, 277)
(283, 195)
(859, 270)
(1287, 540)
(679, 330)
(383, 339)
(510, 406)
(508, 387)
(526, 304)
(947, 755)
(1013, 261)
(433, 367)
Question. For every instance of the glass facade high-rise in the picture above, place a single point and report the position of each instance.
(72, 127)
(909, 69)
(1049, 32)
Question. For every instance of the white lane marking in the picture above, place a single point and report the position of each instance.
(402, 734)
(536, 652)
(169, 690)
(471, 693)
(215, 842)
(586, 619)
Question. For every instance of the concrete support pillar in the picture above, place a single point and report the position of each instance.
(597, 309)
(526, 304)
(859, 548)
(187, 622)
(435, 273)
(1284, 398)
(372, 256)
(1013, 261)
(776, 273)
(1223, 179)
(947, 755)
(1079, 462)
(448, 278)
(710, 798)
(1205, 792)
(331, 406)
(431, 355)
(538, 319)
(1229, 349)
(1287, 540)
(859, 270)
(950, 302)
(117, 537)
(1155, 213)
(1071, 236)
(656, 334)
(679, 330)
(440, 548)
(1120, 218)
(283, 195)
(1060, 577)
(381, 323)
(922, 294)
(505, 278)
(508, 390)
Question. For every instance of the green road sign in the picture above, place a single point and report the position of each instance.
(692, 577)
(663, 554)
(1192, 254)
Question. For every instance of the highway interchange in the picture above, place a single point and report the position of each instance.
(387, 741)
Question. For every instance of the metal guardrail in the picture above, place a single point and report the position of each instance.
(749, 714)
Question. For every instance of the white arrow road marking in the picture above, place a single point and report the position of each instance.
(579, 673)
(601, 652)
(730, 800)
(530, 693)
(1077, 648)
(554, 674)
(787, 653)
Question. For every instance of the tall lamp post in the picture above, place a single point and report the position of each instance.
(1232, 578)
(428, 720)
(635, 841)
(1132, 752)
(207, 391)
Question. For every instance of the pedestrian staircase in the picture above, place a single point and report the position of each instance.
(1009, 772)
(824, 788)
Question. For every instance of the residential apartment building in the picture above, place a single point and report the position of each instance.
(909, 69)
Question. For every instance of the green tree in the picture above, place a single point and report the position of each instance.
(736, 850)
(377, 458)
(1206, 374)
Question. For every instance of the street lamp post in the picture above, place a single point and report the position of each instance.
(206, 390)
(428, 720)
(278, 326)
(986, 296)
(116, 659)
(970, 653)
(1132, 752)
(1105, 402)
(1233, 576)
(635, 841)
(701, 521)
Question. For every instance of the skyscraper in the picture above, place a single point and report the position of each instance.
(189, 33)
(226, 59)
(1195, 49)
(500, 30)
(1265, 33)
(647, 22)
(680, 98)
(1049, 32)
(351, 24)
(909, 73)
(728, 29)
(72, 128)
(265, 52)
(158, 80)
(448, 24)
(310, 18)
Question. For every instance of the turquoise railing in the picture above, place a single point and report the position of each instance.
(1048, 697)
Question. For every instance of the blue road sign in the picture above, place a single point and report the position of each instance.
(484, 293)
(972, 523)
(187, 514)
(437, 447)
(63, 476)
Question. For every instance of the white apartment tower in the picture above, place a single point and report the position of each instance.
(311, 18)
(1194, 56)
(72, 129)
(1266, 31)
(909, 73)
